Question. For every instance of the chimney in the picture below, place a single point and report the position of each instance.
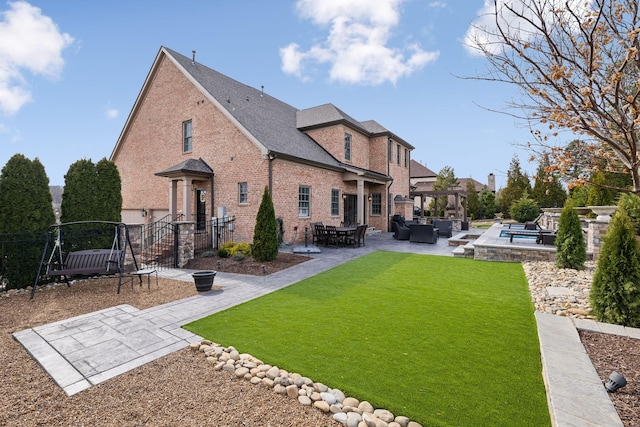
(491, 182)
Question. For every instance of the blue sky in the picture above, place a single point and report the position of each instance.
(70, 71)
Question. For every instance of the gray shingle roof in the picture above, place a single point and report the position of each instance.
(188, 167)
(323, 115)
(271, 121)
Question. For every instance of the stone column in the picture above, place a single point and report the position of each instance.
(173, 199)
(596, 229)
(185, 233)
(135, 237)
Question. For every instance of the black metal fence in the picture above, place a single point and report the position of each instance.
(20, 255)
(159, 244)
(214, 234)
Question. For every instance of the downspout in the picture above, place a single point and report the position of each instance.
(212, 207)
(388, 216)
(271, 156)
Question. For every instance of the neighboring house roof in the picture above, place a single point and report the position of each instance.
(417, 170)
(188, 167)
(463, 184)
(421, 187)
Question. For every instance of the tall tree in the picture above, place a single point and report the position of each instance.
(109, 192)
(26, 211)
(91, 192)
(547, 188)
(517, 185)
(577, 64)
(25, 199)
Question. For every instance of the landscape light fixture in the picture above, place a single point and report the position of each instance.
(614, 382)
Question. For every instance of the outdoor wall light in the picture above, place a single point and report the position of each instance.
(369, 198)
(614, 382)
(143, 212)
(344, 196)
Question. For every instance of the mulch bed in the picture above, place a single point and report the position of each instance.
(610, 353)
(247, 265)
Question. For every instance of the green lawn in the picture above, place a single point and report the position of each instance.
(441, 340)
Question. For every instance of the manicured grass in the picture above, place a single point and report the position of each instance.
(441, 340)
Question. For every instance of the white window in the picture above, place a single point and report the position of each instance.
(243, 193)
(186, 137)
(347, 147)
(304, 200)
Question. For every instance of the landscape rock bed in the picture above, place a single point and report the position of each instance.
(332, 402)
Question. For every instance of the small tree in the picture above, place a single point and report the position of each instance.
(474, 207)
(630, 203)
(488, 202)
(517, 184)
(615, 292)
(265, 234)
(571, 251)
(446, 178)
(524, 209)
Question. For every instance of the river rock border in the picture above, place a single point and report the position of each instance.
(332, 402)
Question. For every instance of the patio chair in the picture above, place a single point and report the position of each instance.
(320, 237)
(331, 235)
(314, 232)
(444, 226)
(400, 231)
(357, 239)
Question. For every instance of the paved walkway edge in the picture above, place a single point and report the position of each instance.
(575, 393)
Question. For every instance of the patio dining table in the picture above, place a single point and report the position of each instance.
(344, 232)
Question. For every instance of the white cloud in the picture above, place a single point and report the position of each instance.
(438, 4)
(29, 42)
(357, 45)
(483, 29)
(111, 113)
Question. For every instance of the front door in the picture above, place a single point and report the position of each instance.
(350, 209)
(201, 209)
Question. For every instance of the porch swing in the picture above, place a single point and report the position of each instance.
(70, 251)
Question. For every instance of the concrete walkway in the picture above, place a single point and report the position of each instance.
(92, 348)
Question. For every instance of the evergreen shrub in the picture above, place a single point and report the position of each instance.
(524, 209)
(571, 249)
(265, 234)
(615, 291)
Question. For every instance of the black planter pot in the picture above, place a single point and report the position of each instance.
(203, 280)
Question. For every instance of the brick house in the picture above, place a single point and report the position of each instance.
(197, 143)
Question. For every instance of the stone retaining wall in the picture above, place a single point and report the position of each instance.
(513, 253)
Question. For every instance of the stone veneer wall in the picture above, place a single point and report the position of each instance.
(186, 242)
(595, 234)
(135, 237)
(513, 253)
